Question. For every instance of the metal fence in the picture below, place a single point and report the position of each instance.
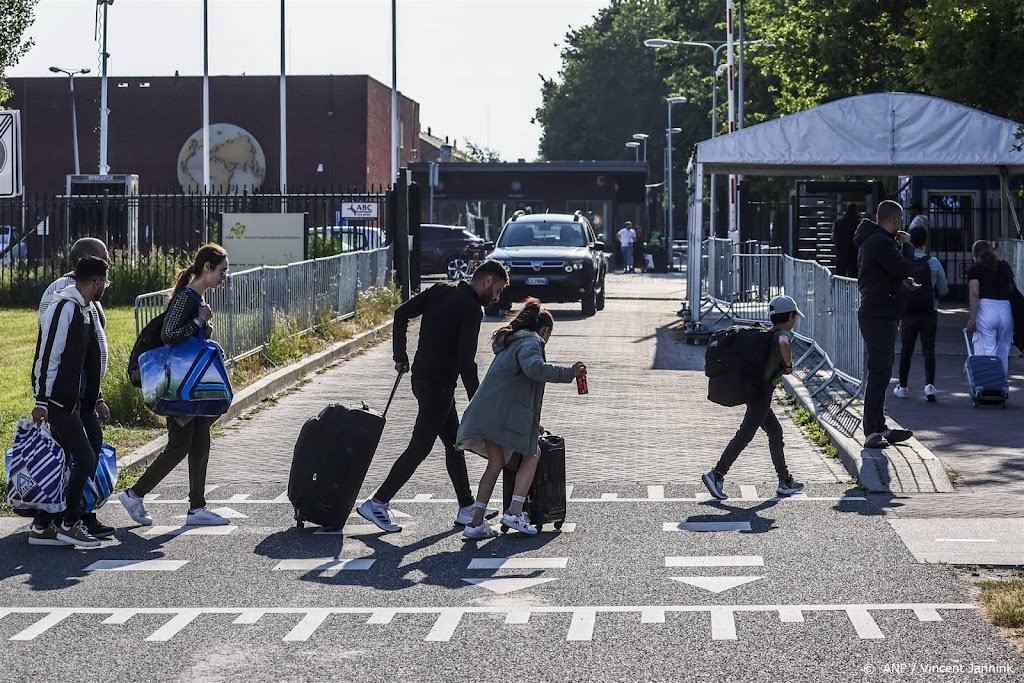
(251, 302)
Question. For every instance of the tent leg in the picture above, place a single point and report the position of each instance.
(694, 238)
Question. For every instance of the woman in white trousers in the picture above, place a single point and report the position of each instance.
(990, 281)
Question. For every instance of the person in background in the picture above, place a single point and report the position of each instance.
(626, 237)
(884, 264)
(842, 238)
(918, 218)
(66, 381)
(921, 316)
(504, 416)
(449, 331)
(187, 315)
(93, 417)
(989, 282)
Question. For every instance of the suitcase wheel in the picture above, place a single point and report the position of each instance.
(299, 524)
(558, 525)
(540, 527)
(504, 529)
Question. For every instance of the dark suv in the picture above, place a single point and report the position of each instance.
(554, 257)
(449, 250)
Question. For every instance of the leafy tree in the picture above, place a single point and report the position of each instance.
(480, 153)
(15, 18)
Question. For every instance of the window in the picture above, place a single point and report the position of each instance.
(543, 235)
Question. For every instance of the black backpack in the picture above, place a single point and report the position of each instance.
(922, 299)
(735, 364)
(149, 339)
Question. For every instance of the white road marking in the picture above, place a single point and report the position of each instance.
(518, 563)
(222, 530)
(136, 565)
(715, 584)
(965, 540)
(394, 513)
(656, 492)
(325, 564)
(422, 497)
(281, 498)
(609, 496)
(354, 529)
(705, 526)
(580, 628)
(210, 488)
(748, 492)
(229, 513)
(568, 491)
(509, 585)
(238, 498)
(703, 497)
(715, 561)
(700, 497)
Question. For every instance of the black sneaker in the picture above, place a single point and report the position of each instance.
(876, 440)
(714, 482)
(897, 435)
(789, 487)
(99, 530)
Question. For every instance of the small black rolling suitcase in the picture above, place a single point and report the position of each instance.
(330, 460)
(986, 380)
(545, 503)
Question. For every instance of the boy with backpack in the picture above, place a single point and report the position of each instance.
(921, 316)
(783, 314)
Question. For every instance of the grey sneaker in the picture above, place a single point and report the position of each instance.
(789, 487)
(714, 483)
(77, 535)
(379, 514)
(47, 536)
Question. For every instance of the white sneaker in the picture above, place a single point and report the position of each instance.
(135, 508)
(205, 517)
(899, 392)
(483, 531)
(379, 514)
(929, 392)
(465, 515)
(520, 523)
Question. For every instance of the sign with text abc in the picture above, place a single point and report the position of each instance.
(359, 210)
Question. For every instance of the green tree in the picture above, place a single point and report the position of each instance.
(480, 153)
(610, 87)
(15, 18)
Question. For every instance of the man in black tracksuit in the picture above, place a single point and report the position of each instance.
(883, 274)
(449, 330)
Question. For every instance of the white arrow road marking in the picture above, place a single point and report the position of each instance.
(715, 561)
(748, 492)
(43, 625)
(518, 563)
(656, 492)
(715, 584)
(325, 564)
(503, 586)
(705, 526)
(222, 530)
(229, 513)
(136, 565)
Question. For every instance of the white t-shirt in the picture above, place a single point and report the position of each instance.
(627, 236)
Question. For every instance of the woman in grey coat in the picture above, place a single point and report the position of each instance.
(504, 416)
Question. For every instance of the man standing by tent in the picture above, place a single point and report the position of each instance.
(884, 267)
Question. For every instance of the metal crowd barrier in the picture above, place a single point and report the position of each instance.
(742, 278)
(248, 305)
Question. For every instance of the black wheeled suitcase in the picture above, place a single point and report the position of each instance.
(986, 380)
(330, 460)
(545, 503)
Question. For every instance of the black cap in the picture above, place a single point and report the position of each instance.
(90, 268)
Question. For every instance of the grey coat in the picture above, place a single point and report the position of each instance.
(506, 408)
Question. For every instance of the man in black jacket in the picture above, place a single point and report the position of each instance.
(66, 380)
(883, 273)
(449, 330)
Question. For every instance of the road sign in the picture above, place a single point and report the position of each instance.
(10, 154)
(359, 210)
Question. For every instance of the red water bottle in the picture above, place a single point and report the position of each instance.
(581, 384)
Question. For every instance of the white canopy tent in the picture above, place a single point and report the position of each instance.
(879, 134)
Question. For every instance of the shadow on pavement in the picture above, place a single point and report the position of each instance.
(758, 524)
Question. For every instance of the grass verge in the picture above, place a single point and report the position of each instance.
(1002, 604)
(812, 428)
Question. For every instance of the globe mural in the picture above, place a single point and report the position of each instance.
(237, 161)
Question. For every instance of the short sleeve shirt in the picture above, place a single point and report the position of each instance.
(627, 236)
(992, 284)
(773, 370)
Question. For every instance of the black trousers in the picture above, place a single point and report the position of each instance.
(880, 349)
(436, 418)
(79, 433)
(191, 439)
(759, 415)
(913, 325)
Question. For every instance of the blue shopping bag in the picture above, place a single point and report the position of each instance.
(35, 470)
(101, 484)
(187, 379)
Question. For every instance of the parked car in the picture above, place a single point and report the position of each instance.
(352, 237)
(554, 257)
(10, 235)
(449, 250)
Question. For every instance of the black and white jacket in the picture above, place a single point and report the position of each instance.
(57, 285)
(67, 367)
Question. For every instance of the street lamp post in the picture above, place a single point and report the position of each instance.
(395, 121)
(635, 146)
(104, 168)
(668, 143)
(642, 138)
(74, 115)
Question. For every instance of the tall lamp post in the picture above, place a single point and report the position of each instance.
(74, 116)
(104, 167)
(668, 144)
(395, 121)
(635, 146)
(642, 139)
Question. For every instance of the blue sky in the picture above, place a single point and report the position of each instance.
(472, 65)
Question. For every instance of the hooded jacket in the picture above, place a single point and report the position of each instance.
(68, 363)
(506, 408)
(882, 266)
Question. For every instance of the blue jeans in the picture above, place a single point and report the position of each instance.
(627, 257)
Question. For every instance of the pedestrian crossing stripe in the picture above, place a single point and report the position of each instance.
(583, 619)
(655, 494)
(182, 530)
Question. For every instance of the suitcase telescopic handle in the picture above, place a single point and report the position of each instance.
(970, 346)
(394, 390)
